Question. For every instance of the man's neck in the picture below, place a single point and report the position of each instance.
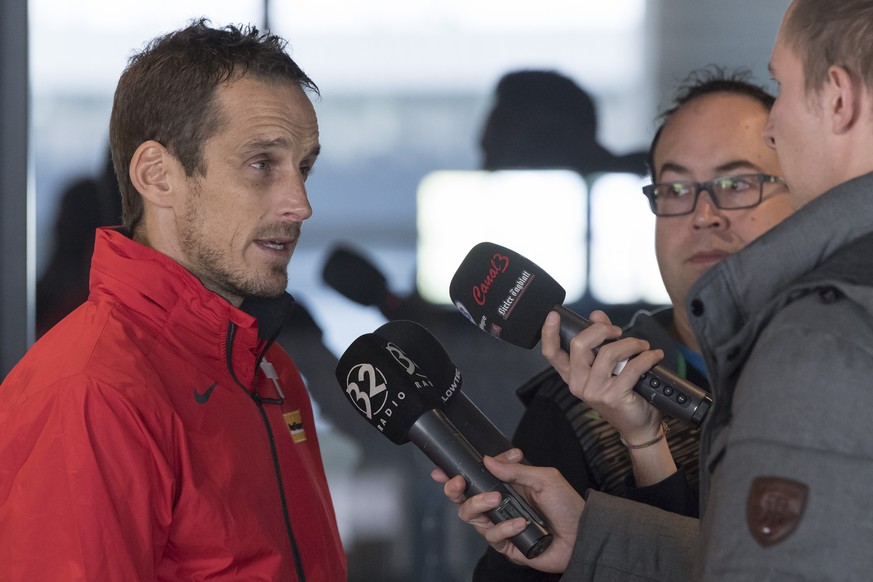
(681, 329)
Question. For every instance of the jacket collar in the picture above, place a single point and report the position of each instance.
(735, 299)
(174, 303)
(271, 313)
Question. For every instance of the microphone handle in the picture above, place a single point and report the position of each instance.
(672, 395)
(475, 426)
(437, 438)
(390, 305)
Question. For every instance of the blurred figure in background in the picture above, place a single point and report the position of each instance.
(543, 119)
(86, 204)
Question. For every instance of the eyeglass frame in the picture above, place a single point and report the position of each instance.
(649, 191)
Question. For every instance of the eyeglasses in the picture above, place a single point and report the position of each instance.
(728, 193)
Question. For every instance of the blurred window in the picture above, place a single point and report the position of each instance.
(541, 214)
(623, 264)
(537, 213)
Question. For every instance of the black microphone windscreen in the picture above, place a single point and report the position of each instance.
(384, 385)
(428, 353)
(504, 293)
(355, 277)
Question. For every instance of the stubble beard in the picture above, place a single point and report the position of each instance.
(216, 268)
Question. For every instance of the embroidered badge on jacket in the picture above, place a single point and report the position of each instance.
(774, 508)
(295, 424)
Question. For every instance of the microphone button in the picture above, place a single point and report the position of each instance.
(508, 510)
(668, 390)
(681, 398)
(654, 382)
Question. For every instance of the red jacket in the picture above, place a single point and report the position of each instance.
(139, 440)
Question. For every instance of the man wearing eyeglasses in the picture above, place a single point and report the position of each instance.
(786, 327)
(716, 188)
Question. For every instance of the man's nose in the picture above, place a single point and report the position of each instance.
(706, 213)
(294, 201)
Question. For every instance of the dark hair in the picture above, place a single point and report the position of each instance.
(706, 81)
(167, 94)
(825, 33)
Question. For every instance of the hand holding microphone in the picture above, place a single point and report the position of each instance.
(390, 391)
(509, 297)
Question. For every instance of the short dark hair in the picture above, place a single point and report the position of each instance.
(167, 93)
(825, 33)
(707, 81)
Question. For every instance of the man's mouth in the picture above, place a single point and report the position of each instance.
(279, 246)
(274, 244)
(280, 241)
(708, 256)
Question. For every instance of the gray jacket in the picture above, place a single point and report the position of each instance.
(786, 328)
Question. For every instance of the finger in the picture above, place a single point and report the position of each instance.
(439, 476)
(642, 363)
(602, 385)
(504, 530)
(519, 474)
(454, 489)
(473, 510)
(611, 354)
(511, 456)
(551, 339)
(598, 316)
(590, 338)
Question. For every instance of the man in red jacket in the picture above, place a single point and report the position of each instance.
(157, 433)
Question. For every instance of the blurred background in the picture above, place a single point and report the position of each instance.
(416, 130)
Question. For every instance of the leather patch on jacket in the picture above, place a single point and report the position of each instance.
(774, 508)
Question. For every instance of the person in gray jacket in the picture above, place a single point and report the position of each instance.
(786, 329)
(710, 133)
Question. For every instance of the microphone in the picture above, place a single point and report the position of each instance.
(355, 277)
(430, 355)
(389, 390)
(509, 296)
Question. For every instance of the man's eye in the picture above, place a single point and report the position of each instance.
(733, 185)
(677, 190)
(261, 165)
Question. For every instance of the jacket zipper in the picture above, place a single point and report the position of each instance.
(231, 332)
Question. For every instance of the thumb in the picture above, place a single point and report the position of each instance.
(511, 471)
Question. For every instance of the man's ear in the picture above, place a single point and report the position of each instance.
(153, 173)
(842, 99)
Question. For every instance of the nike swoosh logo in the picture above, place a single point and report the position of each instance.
(203, 397)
